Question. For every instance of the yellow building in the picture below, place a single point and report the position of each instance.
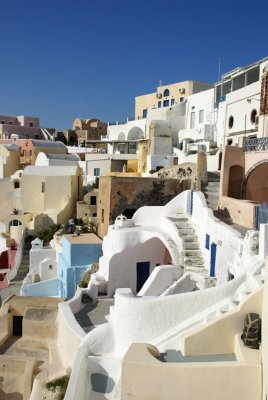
(50, 193)
(9, 160)
(167, 96)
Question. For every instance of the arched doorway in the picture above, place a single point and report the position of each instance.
(256, 183)
(135, 133)
(129, 212)
(236, 175)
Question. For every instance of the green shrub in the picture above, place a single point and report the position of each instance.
(83, 284)
(47, 234)
(58, 383)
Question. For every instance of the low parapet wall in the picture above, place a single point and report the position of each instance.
(242, 212)
(146, 377)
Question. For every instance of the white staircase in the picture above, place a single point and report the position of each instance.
(191, 256)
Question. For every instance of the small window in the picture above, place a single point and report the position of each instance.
(96, 171)
(166, 93)
(159, 104)
(253, 116)
(10, 122)
(201, 116)
(93, 201)
(3, 122)
(207, 242)
(50, 267)
(192, 121)
(43, 187)
(181, 99)
(172, 102)
(31, 124)
(231, 122)
(94, 214)
(165, 103)
(144, 113)
(229, 142)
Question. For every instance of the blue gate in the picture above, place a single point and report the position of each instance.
(261, 215)
(213, 251)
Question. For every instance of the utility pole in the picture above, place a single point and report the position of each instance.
(219, 69)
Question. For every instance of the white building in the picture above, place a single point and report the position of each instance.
(216, 259)
(237, 99)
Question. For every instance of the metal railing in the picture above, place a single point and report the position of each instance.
(256, 144)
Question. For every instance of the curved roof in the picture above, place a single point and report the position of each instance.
(47, 143)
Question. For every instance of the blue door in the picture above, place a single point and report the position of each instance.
(213, 251)
(143, 272)
(261, 215)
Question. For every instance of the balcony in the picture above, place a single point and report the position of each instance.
(256, 144)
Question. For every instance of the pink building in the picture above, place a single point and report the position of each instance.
(22, 126)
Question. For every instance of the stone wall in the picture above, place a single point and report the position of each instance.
(125, 195)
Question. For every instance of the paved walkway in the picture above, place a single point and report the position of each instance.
(14, 288)
(94, 314)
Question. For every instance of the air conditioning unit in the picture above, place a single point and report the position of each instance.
(181, 90)
(159, 95)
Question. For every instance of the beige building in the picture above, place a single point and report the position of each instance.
(86, 129)
(167, 96)
(9, 160)
(243, 191)
(87, 209)
(50, 194)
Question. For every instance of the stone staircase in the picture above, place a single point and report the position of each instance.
(170, 339)
(211, 191)
(191, 256)
(24, 265)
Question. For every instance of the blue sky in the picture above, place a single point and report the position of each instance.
(64, 59)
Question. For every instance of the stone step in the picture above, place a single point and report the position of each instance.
(193, 261)
(189, 238)
(191, 246)
(186, 231)
(183, 225)
(195, 269)
(191, 253)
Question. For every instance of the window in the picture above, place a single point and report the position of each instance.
(159, 104)
(201, 116)
(43, 187)
(144, 113)
(166, 93)
(165, 103)
(172, 101)
(96, 171)
(10, 122)
(94, 214)
(3, 122)
(192, 121)
(93, 201)
(231, 122)
(253, 116)
(181, 99)
(51, 266)
(31, 124)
